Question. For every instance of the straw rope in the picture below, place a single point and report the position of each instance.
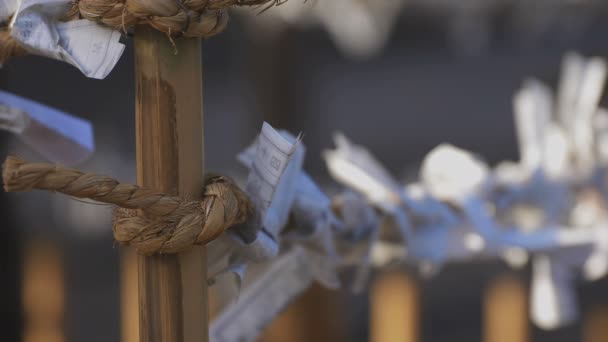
(149, 220)
(176, 18)
(9, 47)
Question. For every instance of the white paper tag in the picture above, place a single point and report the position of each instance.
(259, 302)
(285, 194)
(356, 168)
(94, 49)
(532, 106)
(445, 181)
(7, 9)
(273, 153)
(275, 162)
(90, 47)
(13, 119)
(554, 301)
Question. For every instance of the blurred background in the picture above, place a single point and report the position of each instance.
(397, 76)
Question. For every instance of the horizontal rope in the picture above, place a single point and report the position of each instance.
(9, 47)
(175, 18)
(149, 220)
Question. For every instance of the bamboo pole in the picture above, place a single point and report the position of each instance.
(129, 296)
(169, 143)
(595, 324)
(394, 308)
(303, 320)
(43, 292)
(506, 310)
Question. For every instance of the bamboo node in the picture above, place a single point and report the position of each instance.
(149, 220)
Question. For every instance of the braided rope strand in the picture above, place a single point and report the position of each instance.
(175, 18)
(149, 220)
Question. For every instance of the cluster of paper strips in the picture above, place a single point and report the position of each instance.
(36, 26)
(548, 207)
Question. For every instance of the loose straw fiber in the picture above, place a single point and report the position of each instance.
(150, 221)
(176, 18)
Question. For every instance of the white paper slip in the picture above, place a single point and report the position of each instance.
(554, 301)
(60, 137)
(277, 214)
(92, 48)
(531, 119)
(573, 68)
(273, 155)
(355, 167)
(454, 174)
(261, 301)
(275, 161)
(7, 9)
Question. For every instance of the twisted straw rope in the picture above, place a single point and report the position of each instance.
(149, 220)
(190, 18)
(187, 18)
(9, 47)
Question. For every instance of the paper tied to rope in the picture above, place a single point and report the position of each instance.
(314, 227)
(550, 143)
(58, 136)
(356, 168)
(270, 276)
(86, 33)
(36, 27)
(456, 176)
(554, 301)
(475, 199)
(313, 221)
(260, 302)
(561, 154)
(308, 252)
(274, 161)
(356, 240)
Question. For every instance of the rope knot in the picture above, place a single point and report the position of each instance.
(146, 219)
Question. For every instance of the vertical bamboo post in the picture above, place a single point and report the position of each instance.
(169, 143)
(505, 310)
(43, 292)
(394, 308)
(129, 296)
(595, 324)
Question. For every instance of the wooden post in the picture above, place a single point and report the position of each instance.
(169, 142)
(595, 324)
(129, 297)
(43, 292)
(394, 308)
(505, 311)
